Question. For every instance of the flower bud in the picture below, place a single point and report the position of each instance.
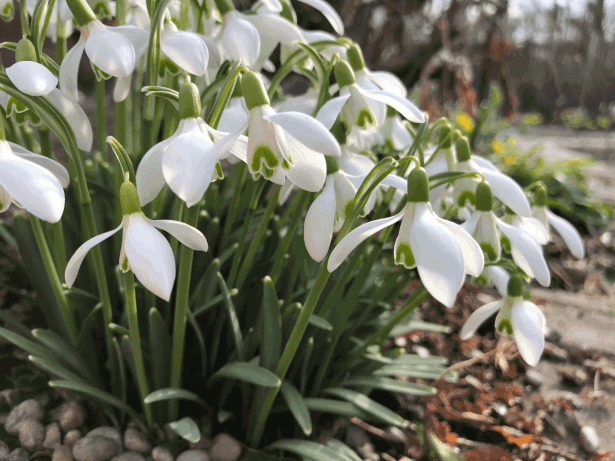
(445, 138)
(355, 58)
(515, 286)
(129, 199)
(540, 196)
(344, 74)
(25, 51)
(224, 6)
(418, 185)
(254, 91)
(189, 101)
(462, 146)
(484, 197)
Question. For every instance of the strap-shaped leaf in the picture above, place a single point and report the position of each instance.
(368, 405)
(249, 373)
(344, 450)
(393, 385)
(56, 369)
(232, 315)
(306, 449)
(59, 345)
(297, 407)
(162, 92)
(338, 407)
(419, 325)
(414, 372)
(27, 345)
(320, 322)
(271, 339)
(160, 347)
(187, 428)
(173, 394)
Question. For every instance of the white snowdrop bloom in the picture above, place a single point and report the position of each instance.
(76, 117)
(27, 75)
(569, 234)
(60, 8)
(503, 187)
(518, 317)
(144, 249)
(482, 224)
(235, 116)
(305, 103)
(395, 132)
(185, 49)
(442, 252)
(188, 160)
(32, 181)
(498, 277)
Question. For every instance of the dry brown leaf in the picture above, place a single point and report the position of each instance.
(487, 454)
(513, 437)
(600, 456)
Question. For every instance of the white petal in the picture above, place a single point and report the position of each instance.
(526, 252)
(478, 317)
(234, 116)
(470, 224)
(31, 78)
(319, 221)
(354, 239)
(473, 258)
(401, 105)
(330, 110)
(309, 169)
(272, 5)
(400, 135)
(137, 36)
(186, 234)
(285, 191)
(399, 183)
(240, 39)
(186, 50)
(378, 108)
(506, 189)
(499, 277)
(439, 259)
(571, 236)
(150, 180)
(34, 187)
(388, 82)
(239, 147)
(122, 88)
(328, 12)
(150, 257)
(5, 200)
(215, 59)
(307, 130)
(276, 28)
(487, 233)
(70, 68)
(269, 66)
(484, 163)
(76, 116)
(54, 167)
(72, 267)
(534, 227)
(110, 51)
(527, 328)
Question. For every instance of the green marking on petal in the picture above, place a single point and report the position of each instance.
(489, 251)
(466, 195)
(286, 164)
(218, 173)
(8, 12)
(14, 106)
(366, 118)
(265, 158)
(167, 67)
(125, 264)
(100, 74)
(404, 255)
(505, 324)
(101, 10)
(505, 243)
(267, 173)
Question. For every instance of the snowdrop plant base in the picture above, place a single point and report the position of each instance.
(270, 289)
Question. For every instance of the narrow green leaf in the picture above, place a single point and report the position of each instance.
(172, 394)
(297, 406)
(337, 407)
(56, 369)
(165, 93)
(232, 315)
(121, 366)
(27, 345)
(443, 451)
(200, 340)
(344, 450)
(271, 339)
(187, 428)
(160, 347)
(368, 405)
(393, 385)
(414, 372)
(87, 325)
(304, 448)
(119, 329)
(402, 329)
(223, 416)
(320, 322)
(250, 373)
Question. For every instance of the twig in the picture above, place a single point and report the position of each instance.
(375, 431)
(500, 348)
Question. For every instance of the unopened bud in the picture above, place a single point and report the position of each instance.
(418, 185)
(189, 101)
(462, 146)
(344, 74)
(253, 91)
(484, 197)
(129, 199)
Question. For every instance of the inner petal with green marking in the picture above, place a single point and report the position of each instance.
(404, 255)
(264, 159)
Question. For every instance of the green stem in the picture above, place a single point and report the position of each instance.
(61, 45)
(25, 24)
(232, 209)
(52, 273)
(101, 116)
(135, 341)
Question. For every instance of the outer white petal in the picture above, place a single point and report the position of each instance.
(234, 116)
(272, 5)
(487, 232)
(34, 187)
(358, 235)
(285, 191)
(534, 227)
(72, 267)
(506, 189)
(484, 163)
(308, 131)
(276, 28)
(439, 259)
(478, 317)
(240, 39)
(31, 78)
(571, 236)
(526, 252)
(401, 105)
(54, 167)
(473, 258)
(70, 68)
(319, 222)
(378, 108)
(187, 50)
(388, 82)
(328, 12)
(400, 135)
(150, 180)
(5, 200)
(122, 88)
(186, 234)
(239, 147)
(150, 257)
(137, 36)
(470, 224)
(527, 328)
(110, 51)
(76, 116)
(399, 183)
(215, 59)
(499, 277)
(309, 170)
(331, 109)
(304, 103)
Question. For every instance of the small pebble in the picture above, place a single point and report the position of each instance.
(19, 454)
(109, 432)
(589, 439)
(31, 434)
(421, 351)
(28, 409)
(52, 436)
(135, 441)
(71, 437)
(3, 417)
(557, 353)
(4, 450)
(95, 448)
(500, 409)
(193, 455)
(62, 453)
(356, 437)
(128, 456)
(225, 448)
(70, 415)
(534, 378)
(400, 341)
(162, 454)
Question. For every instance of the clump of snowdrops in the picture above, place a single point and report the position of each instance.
(270, 297)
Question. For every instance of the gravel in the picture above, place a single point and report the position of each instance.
(109, 432)
(193, 455)
(71, 437)
(135, 441)
(28, 409)
(31, 434)
(162, 454)
(225, 448)
(62, 453)
(95, 448)
(18, 454)
(70, 415)
(5, 450)
(52, 436)
(128, 456)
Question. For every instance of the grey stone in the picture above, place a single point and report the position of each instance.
(193, 455)
(421, 351)
(135, 441)
(500, 409)
(109, 432)
(95, 448)
(225, 448)
(589, 439)
(70, 415)
(534, 378)
(356, 437)
(43, 399)
(128, 456)
(52, 436)
(62, 453)
(162, 454)
(71, 437)
(31, 434)
(4, 450)
(28, 409)
(19, 454)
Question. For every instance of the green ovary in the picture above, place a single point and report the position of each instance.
(366, 118)
(489, 251)
(264, 159)
(505, 324)
(404, 255)
(466, 195)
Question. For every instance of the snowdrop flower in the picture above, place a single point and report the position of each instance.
(185, 49)
(144, 250)
(27, 75)
(503, 187)
(498, 277)
(442, 251)
(32, 181)
(395, 132)
(61, 13)
(517, 317)
(569, 234)
(76, 117)
(188, 160)
(290, 144)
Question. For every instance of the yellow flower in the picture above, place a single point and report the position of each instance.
(509, 159)
(465, 121)
(497, 146)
